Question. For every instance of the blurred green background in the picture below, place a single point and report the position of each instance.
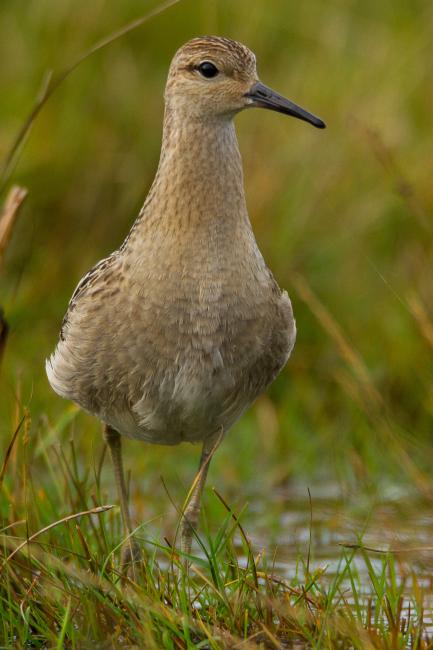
(343, 217)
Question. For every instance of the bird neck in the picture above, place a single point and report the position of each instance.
(199, 179)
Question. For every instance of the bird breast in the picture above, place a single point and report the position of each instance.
(176, 350)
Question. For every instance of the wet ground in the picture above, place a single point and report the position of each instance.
(289, 524)
(397, 521)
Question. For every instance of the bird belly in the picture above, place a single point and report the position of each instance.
(207, 393)
(188, 404)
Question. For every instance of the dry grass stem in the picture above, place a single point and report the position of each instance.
(334, 330)
(14, 201)
(93, 511)
(422, 318)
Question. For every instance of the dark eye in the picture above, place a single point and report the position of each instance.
(207, 69)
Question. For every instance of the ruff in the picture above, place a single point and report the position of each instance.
(172, 336)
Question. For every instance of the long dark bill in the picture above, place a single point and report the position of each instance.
(264, 97)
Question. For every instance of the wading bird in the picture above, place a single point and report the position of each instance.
(172, 336)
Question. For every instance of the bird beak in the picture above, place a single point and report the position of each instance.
(264, 97)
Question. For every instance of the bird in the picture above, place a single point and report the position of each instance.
(173, 335)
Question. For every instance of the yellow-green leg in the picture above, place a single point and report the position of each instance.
(131, 550)
(191, 511)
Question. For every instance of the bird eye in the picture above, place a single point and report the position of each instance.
(207, 69)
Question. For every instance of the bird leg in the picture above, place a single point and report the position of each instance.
(131, 550)
(191, 511)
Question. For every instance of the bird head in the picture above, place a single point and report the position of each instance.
(212, 77)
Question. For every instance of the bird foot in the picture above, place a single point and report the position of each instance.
(131, 554)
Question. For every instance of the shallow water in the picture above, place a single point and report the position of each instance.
(398, 521)
(286, 526)
(287, 519)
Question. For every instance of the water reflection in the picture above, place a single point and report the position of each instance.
(397, 521)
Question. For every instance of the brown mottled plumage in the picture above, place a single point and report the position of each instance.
(173, 335)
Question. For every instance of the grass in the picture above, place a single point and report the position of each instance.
(344, 220)
(61, 584)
